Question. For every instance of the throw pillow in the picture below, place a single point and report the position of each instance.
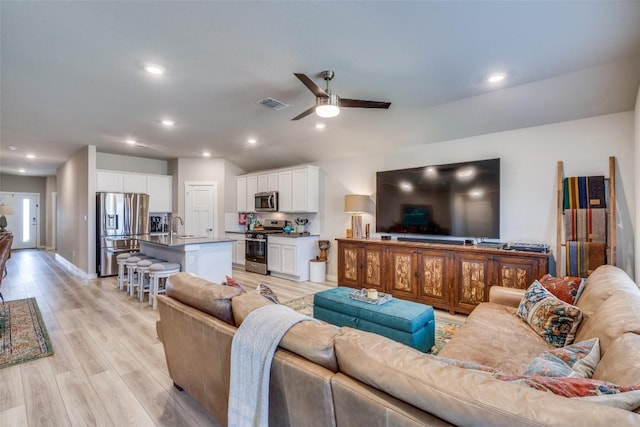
(567, 288)
(577, 360)
(266, 292)
(595, 391)
(553, 319)
(230, 281)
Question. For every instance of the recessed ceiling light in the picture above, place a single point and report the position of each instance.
(252, 140)
(13, 148)
(168, 123)
(320, 126)
(31, 156)
(22, 170)
(206, 154)
(154, 69)
(496, 77)
(131, 141)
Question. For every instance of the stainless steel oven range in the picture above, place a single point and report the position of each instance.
(255, 246)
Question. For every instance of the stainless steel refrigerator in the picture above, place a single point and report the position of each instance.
(121, 219)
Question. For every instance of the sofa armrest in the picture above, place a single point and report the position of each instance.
(506, 296)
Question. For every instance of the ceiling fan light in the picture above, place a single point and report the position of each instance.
(327, 107)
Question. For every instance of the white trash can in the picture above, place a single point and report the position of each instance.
(317, 271)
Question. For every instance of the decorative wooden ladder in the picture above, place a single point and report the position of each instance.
(611, 216)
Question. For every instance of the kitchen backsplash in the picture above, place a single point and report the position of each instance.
(232, 219)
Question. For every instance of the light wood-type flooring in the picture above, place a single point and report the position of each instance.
(108, 367)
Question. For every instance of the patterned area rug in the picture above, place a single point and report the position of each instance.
(24, 335)
(445, 330)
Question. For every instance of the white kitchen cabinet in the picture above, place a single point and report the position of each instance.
(252, 189)
(246, 189)
(298, 189)
(241, 194)
(285, 196)
(160, 191)
(109, 181)
(238, 251)
(134, 183)
(267, 182)
(158, 187)
(274, 257)
(288, 257)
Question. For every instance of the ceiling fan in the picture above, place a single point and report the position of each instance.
(328, 104)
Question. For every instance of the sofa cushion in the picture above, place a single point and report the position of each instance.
(203, 295)
(459, 396)
(490, 334)
(553, 319)
(617, 315)
(567, 289)
(595, 391)
(578, 360)
(311, 340)
(621, 363)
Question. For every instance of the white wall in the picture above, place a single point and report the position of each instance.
(637, 177)
(528, 167)
(131, 164)
(206, 170)
(76, 225)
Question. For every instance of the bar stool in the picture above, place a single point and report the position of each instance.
(130, 275)
(141, 269)
(157, 272)
(122, 271)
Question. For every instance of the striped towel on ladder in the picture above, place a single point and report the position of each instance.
(584, 257)
(585, 225)
(583, 192)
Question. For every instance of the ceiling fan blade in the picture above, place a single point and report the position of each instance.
(345, 102)
(305, 113)
(317, 90)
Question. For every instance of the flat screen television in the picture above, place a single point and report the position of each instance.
(457, 200)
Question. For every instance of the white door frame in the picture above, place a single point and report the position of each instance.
(37, 212)
(214, 184)
(54, 218)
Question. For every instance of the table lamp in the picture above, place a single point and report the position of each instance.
(4, 210)
(356, 204)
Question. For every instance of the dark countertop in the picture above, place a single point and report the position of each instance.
(196, 240)
(294, 235)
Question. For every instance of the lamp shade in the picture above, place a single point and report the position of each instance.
(356, 203)
(6, 210)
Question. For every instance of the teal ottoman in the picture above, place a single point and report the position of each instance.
(407, 322)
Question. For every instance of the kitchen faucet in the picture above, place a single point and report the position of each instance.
(171, 231)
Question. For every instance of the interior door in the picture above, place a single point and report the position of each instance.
(200, 204)
(25, 220)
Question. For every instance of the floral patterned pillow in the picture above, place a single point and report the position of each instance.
(230, 281)
(595, 391)
(568, 288)
(266, 292)
(553, 319)
(578, 360)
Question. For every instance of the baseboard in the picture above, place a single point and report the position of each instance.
(74, 268)
(331, 278)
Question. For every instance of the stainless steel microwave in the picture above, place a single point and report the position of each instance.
(267, 201)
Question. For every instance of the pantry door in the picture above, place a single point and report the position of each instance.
(200, 208)
(25, 220)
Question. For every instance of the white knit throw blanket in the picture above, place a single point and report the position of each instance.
(252, 350)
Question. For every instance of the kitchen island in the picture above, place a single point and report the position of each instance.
(206, 257)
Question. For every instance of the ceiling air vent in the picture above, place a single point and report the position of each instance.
(273, 104)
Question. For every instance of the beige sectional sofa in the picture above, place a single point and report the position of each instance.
(327, 376)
